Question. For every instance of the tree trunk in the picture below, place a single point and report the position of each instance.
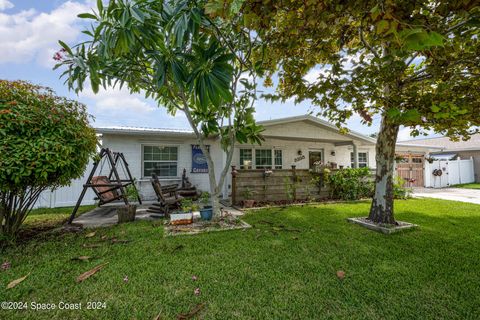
(381, 210)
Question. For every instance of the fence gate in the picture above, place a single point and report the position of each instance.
(410, 167)
(445, 173)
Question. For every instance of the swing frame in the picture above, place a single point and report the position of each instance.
(116, 183)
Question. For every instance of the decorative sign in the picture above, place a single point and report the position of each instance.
(199, 161)
(299, 158)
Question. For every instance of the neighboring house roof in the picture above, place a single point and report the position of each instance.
(446, 144)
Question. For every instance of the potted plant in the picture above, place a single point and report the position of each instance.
(429, 159)
(127, 213)
(186, 214)
(248, 202)
(206, 212)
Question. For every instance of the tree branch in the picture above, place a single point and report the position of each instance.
(360, 32)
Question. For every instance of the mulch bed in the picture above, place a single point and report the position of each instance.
(228, 222)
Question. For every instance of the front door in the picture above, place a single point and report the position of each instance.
(315, 160)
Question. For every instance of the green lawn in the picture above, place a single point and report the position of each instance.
(264, 272)
(468, 186)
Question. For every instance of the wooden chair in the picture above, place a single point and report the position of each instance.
(167, 197)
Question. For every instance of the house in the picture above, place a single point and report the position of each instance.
(448, 149)
(303, 141)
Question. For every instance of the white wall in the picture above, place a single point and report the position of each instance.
(67, 196)
(131, 146)
(290, 152)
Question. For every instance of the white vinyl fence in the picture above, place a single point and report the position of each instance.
(67, 196)
(452, 172)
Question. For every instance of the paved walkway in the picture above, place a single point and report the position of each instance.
(107, 215)
(455, 194)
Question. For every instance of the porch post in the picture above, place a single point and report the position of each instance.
(355, 155)
(294, 182)
(234, 185)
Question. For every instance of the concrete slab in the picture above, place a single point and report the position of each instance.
(454, 194)
(364, 222)
(106, 215)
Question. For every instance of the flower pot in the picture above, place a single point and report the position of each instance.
(248, 203)
(181, 218)
(206, 213)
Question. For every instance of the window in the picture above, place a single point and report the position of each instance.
(160, 160)
(245, 158)
(417, 160)
(263, 159)
(362, 159)
(278, 159)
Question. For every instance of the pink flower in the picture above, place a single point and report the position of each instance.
(125, 279)
(6, 265)
(194, 278)
(58, 56)
(197, 291)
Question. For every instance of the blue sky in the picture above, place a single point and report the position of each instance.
(29, 31)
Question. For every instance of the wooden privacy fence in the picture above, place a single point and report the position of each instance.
(276, 185)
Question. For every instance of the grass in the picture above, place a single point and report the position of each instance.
(264, 272)
(468, 186)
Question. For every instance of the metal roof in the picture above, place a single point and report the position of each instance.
(143, 130)
(445, 143)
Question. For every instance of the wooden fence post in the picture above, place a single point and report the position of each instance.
(234, 185)
(294, 182)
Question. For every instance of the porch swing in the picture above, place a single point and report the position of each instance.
(111, 187)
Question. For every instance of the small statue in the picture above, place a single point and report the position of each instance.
(186, 184)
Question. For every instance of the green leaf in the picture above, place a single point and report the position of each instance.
(375, 12)
(435, 108)
(393, 113)
(137, 14)
(382, 25)
(100, 6)
(411, 115)
(87, 16)
(435, 39)
(65, 46)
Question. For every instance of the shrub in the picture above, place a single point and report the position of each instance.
(399, 189)
(349, 184)
(46, 142)
(186, 204)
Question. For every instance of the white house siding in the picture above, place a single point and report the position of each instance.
(290, 152)
(131, 146)
(301, 135)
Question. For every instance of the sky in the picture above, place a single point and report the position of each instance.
(29, 34)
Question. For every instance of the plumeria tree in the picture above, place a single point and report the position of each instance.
(46, 142)
(412, 63)
(185, 60)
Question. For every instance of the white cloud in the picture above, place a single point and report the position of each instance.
(117, 100)
(31, 35)
(5, 4)
(313, 74)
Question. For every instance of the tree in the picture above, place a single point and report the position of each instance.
(413, 63)
(46, 142)
(173, 52)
